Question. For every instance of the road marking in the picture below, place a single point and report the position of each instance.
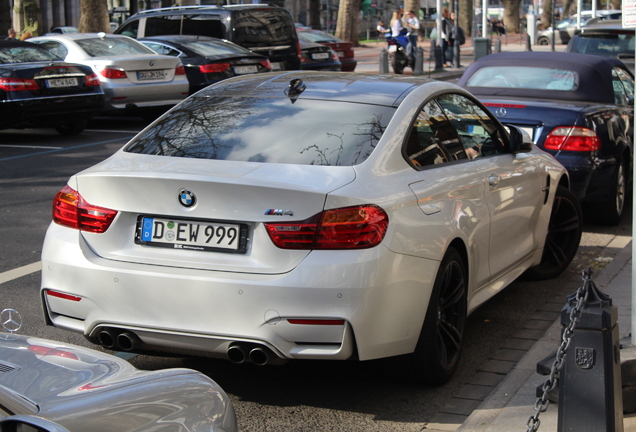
(67, 148)
(20, 271)
(30, 147)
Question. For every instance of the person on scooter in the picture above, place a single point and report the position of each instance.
(396, 24)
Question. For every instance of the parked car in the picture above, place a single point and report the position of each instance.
(62, 30)
(208, 60)
(133, 76)
(316, 56)
(566, 28)
(263, 29)
(607, 39)
(55, 385)
(307, 215)
(38, 89)
(344, 49)
(578, 107)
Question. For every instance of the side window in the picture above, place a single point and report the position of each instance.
(620, 96)
(204, 25)
(628, 83)
(432, 139)
(55, 48)
(163, 25)
(131, 29)
(478, 133)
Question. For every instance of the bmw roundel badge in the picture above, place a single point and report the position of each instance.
(187, 198)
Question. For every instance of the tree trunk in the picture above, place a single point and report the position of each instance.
(93, 16)
(466, 15)
(511, 15)
(546, 16)
(314, 14)
(347, 26)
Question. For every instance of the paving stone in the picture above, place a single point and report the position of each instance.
(498, 366)
(488, 379)
(551, 316)
(518, 344)
(509, 355)
(461, 406)
(529, 334)
(445, 422)
(475, 392)
(536, 324)
(553, 306)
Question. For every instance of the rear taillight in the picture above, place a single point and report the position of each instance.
(179, 70)
(70, 209)
(572, 138)
(113, 73)
(92, 80)
(334, 56)
(266, 64)
(18, 84)
(356, 227)
(299, 51)
(214, 67)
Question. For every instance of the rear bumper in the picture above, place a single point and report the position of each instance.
(126, 96)
(379, 296)
(590, 180)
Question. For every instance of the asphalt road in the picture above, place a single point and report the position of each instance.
(299, 396)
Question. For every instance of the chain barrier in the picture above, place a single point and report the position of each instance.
(542, 403)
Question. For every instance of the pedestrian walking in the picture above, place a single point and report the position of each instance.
(447, 37)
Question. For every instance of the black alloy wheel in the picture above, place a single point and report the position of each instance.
(71, 128)
(438, 350)
(563, 237)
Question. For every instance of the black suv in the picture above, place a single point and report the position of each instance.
(606, 38)
(264, 29)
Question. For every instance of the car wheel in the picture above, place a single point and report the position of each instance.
(543, 41)
(397, 64)
(71, 128)
(439, 346)
(610, 212)
(563, 237)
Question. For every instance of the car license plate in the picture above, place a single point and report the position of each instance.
(61, 82)
(189, 234)
(341, 54)
(320, 56)
(151, 75)
(241, 70)
(276, 66)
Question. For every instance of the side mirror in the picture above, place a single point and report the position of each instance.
(520, 141)
(29, 423)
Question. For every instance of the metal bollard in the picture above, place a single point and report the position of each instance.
(528, 45)
(418, 69)
(497, 45)
(384, 61)
(439, 66)
(590, 388)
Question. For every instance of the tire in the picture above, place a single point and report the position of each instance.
(563, 237)
(71, 128)
(611, 211)
(397, 63)
(441, 340)
(543, 41)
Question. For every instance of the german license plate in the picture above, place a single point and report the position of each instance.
(276, 66)
(341, 54)
(320, 56)
(61, 82)
(187, 234)
(242, 70)
(151, 75)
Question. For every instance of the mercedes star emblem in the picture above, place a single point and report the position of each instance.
(11, 320)
(500, 112)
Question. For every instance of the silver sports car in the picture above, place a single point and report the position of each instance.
(58, 386)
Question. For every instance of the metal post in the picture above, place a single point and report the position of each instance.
(497, 45)
(418, 69)
(439, 66)
(590, 387)
(456, 41)
(528, 45)
(384, 61)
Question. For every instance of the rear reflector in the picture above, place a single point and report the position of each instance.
(317, 321)
(572, 138)
(63, 296)
(357, 227)
(70, 209)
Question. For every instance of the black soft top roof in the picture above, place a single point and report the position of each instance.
(595, 75)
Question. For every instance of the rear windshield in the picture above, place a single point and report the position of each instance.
(263, 27)
(270, 130)
(525, 77)
(213, 48)
(607, 45)
(99, 47)
(24, 54)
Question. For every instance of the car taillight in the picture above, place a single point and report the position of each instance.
(92, 80)
(355, 227)
(334, 55)
(299, 51)
(214, 67)
(305, 58)
(179, 70)
(266, 64)
(572, 138)
(70, 209)
(18, 84)
(113, 73)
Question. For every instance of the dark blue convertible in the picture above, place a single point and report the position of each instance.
(578, 107)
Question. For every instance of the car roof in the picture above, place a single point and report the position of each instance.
(181, 38)
(590, 68)
(610, 24)
(78, 36)
(204, 8)
(386, 90)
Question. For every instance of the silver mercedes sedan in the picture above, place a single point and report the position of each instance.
(132, 75)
